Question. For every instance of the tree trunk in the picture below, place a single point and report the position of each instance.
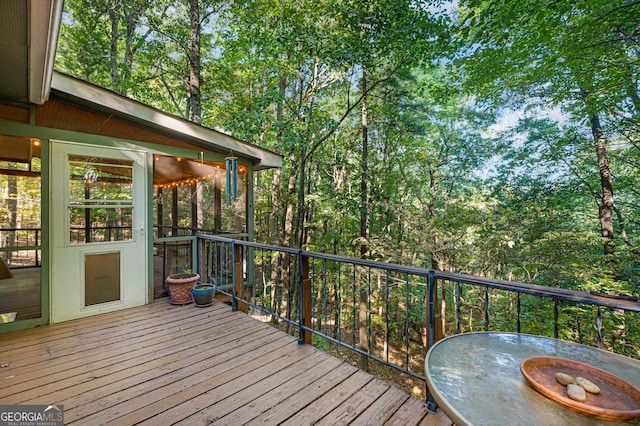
(131, 22)
(276, 235)
(363, 337)
(121, 64)
(431, 212)
(435, 260)
(301, 207)
(606, 207)
(284, 270)
(291, 188)
(114, 17)
(304, 156)
(195, 211)
(194, 109)
(274, 231)
(312, 177)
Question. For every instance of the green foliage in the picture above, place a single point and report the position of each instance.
(445, 189)
(577, 54)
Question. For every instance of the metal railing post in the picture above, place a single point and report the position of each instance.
(239, 292)
(196, 253)
(431, 290)
(304, 300)
(234, 303)
(300, 302)
(431, 309)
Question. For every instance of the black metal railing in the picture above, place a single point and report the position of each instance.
(394, 313)
(175, 254)
(21, 247)
(164, 231)
(99, 234)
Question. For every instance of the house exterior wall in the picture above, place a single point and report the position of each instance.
(60, 121)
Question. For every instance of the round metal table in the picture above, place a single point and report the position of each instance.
(476, 380)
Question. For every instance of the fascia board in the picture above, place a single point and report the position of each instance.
(45, 17)
(150, 117)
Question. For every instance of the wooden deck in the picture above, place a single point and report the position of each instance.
(21, 293)
(161, 364)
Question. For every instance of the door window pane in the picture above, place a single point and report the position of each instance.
(100, 200)
(97, 225)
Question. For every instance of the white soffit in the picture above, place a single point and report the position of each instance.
(44, 29)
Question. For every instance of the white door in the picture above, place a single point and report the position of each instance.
(98, 222)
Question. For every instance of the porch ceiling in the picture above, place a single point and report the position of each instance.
(170, 170)
(18, 149)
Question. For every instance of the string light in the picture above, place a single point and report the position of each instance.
(184, 182)
(231, 168)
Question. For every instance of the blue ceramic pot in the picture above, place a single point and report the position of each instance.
(203, 294)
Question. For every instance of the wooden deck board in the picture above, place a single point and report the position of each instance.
(218, 387)
(277, 396)
(223, 400)
(382, 408)
(296, 408)
(21, 293)
(411, 413)
(162, 364)
(122, 376)
(318, 405)
(174, 389)
(355, 405)
(106, 362)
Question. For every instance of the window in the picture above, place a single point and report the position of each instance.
(100, 200)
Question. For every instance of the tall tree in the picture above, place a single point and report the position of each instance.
(363, 337)
(312, 53)
(194, 106)
(568, 54)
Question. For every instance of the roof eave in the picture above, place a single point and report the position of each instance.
(136, 112)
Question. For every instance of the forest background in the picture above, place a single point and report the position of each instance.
(492, 138)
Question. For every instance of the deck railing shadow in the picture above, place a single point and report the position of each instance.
(394, 313)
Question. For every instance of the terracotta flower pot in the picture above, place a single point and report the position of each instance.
(180, 287)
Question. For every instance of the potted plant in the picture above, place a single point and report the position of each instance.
(203, 294)
(180, 287)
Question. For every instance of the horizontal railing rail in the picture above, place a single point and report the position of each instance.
(393, 313)
(21, 246)
(162, 231)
